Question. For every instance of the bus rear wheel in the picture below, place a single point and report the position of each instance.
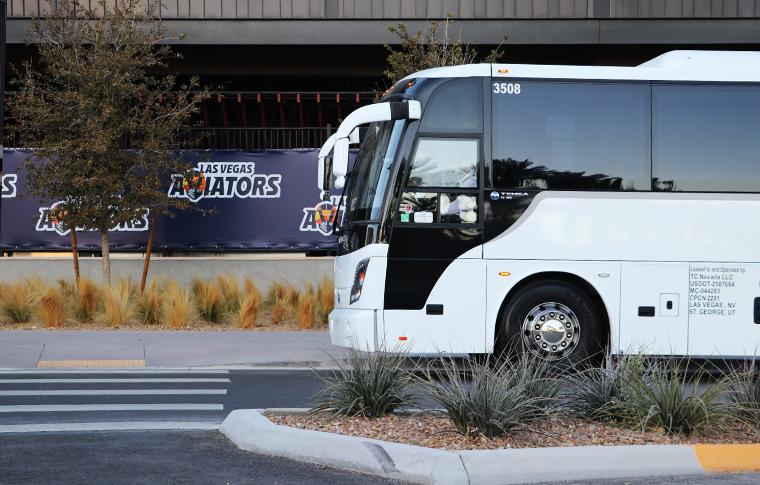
(553, 320)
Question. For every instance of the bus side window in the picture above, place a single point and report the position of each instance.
(445, 162)
(457, 208)
(572, 136)
(420, 207)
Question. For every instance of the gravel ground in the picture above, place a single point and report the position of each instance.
(436, 432)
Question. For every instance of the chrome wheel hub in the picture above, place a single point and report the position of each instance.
(551, 331)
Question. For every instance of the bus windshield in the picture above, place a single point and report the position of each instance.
(373, 167)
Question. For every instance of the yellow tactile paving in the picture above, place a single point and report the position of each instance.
(91, 363)
(729, 458)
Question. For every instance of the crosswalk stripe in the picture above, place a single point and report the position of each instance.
(115, 426)
(110, 407)
(118, 381)
(109, 392)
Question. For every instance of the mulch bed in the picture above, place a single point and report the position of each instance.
(436, 432)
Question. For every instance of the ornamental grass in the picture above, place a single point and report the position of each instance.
(178, 304)
(150, 304)
(51, 302)
(246, 315)
(119, 305)
(369, 385)
(20, 301)
(164, 302)
(491, 397)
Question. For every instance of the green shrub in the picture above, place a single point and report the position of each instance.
(491, 398)
(744, 395)
(368, 385)
(665, 396)
(600, 393)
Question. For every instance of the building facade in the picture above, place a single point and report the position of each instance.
(306, 64)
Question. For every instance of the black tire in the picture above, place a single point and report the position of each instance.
(570, 330)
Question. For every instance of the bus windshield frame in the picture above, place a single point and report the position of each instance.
(372, 170)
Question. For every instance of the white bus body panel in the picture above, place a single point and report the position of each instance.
(359, 324)
(670, 245)
(721, 309)
(604, 276)
(461, 290)
(583, 226)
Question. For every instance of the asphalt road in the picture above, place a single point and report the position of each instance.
(153, 457)
(201, 397)
(193, 398)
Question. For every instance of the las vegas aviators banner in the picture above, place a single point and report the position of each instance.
(264, 199)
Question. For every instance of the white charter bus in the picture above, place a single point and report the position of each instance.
(561, 209)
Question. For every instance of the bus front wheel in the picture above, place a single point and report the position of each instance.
(553, 320)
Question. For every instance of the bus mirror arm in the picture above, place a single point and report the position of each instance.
(338, 224)
(368, 114)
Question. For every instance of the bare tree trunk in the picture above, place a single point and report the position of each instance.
(147, 253)
(76, 255)
(106, 258)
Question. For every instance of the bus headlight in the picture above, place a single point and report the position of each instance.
(361, 272)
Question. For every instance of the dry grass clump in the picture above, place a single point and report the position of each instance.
(307, 310)
(150, 304)
(292, 296)
(229, 286)
(178, 304)
(221, 301)
(85, 304)
(208, 300)
(20, 300)
(325, 299)
(245, 316)
(276, 292)
(277, 302)
(52, 304)
(118, 305)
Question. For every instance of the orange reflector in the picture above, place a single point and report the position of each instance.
(504, 273)
(503, 70)
(402, 338)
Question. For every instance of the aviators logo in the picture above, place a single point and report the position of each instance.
(9, 185)
(224, 180)
(51, 220)
(323, 216)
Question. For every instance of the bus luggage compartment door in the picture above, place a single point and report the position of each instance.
(646, 322)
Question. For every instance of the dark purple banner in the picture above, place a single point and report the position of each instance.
(264, 199)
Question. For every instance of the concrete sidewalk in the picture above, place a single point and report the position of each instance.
(27, 348)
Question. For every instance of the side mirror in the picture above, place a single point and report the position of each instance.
(340, 161)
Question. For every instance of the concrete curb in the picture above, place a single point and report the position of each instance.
(252, 431)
